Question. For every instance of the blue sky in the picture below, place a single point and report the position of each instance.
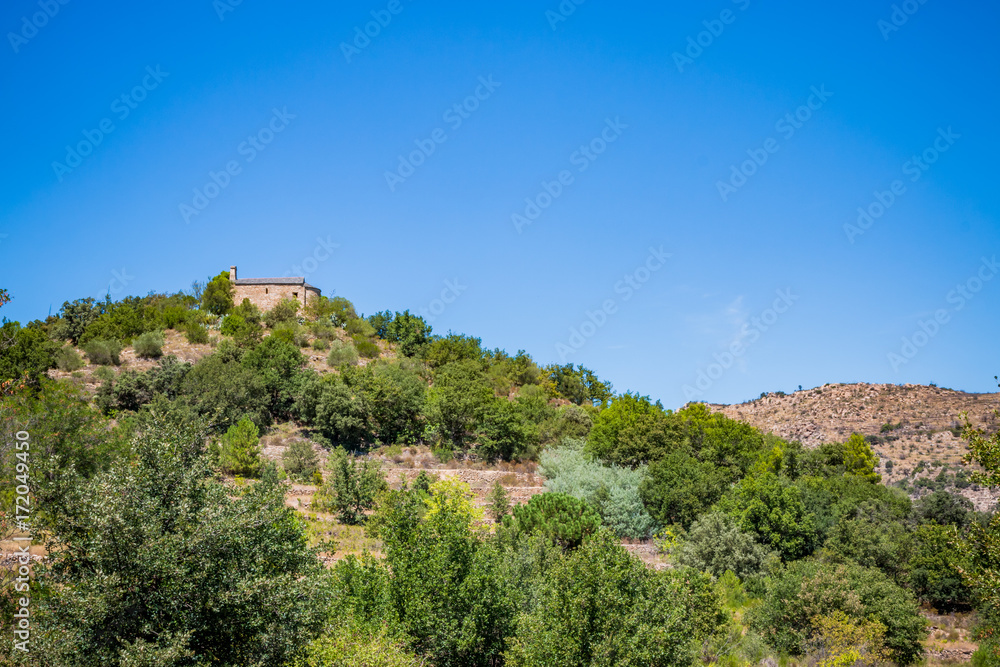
(636, 188)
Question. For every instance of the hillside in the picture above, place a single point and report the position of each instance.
(916, 427)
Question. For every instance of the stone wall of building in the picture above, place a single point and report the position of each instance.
(267, 297)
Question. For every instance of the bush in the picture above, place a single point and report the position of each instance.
(320, 344)
(103, 352)
(68, 359)
(239, 451)
(25, 351)
(217, 298)
(299, 460)
(351, 488)
(285, 310)
(601, 606)
(564, 519)
(341, 353)
(811, 588)
(366, 348)
(195, 333)
(360, 327)
(149, 345)
(498, 502)
(612, 490)
(291, 332)
(715, 544)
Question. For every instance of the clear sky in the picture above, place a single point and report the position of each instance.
(660, 180)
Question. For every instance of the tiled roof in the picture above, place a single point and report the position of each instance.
(271, 281)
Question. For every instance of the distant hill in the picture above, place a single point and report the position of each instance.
(917, 427)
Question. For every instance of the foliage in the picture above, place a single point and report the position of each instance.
(944, 508)
(239, 451)
(285, 310)
(498, 502)
(601, 607)
(366, 348)
(873, 541)
(678, 488)
(103, 352)
(351, 487)
(359, 327)
(217, 297)
(195, 333)
(410, 332)
(505, 431)
(935, 568)
(632, 431)
(612, 490)
(341, 353)
(75, 317)
(391, 397)
(860, 460)
(770, 508)
(840, 641)
(277, 364)
(328, 404)
(346, 645)
(149, 345)
(300, 460)
(715, 544)
(68, 359)
(579, 385)
(457, 400)
(453, 348)
(563, 519)
(25, 352)
(154, 560)
(812, 587)
(222, 390)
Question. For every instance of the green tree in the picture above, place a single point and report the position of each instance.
(25, 353)
(155, 563)
(239, 451)
(505, 432)
(715, 544)
(300, 460)
(564, 519)
(935, 567)
(810, 588)
(217, 298)
(772, 509)
(601, 607)
(498, 502)
(860, 460)
(678, 488)
(75, 317)
(632, 431)
(351, 487)
(457, 400)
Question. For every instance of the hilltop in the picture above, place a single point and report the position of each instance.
(914, 429)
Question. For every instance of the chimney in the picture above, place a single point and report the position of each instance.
(232, 273)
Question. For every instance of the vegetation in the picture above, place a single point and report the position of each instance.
(170, 542)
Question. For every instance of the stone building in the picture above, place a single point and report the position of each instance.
(265, 293)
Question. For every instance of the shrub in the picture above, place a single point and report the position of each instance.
(366, 348)
(351, 488)
(813, 587)
(299, 460)
(217, 298)
(321, 344)
(498, 502)
(149, 345)
(564, 519)
(715, 544)
(285, 310)
(68, 359)
(343, 645)
(239, 453)
(341, 353)
(291, 332)
(360, 327)
(103, 352)
(612, 490)
(196, 333)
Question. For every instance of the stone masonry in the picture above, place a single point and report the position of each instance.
(265, 293)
